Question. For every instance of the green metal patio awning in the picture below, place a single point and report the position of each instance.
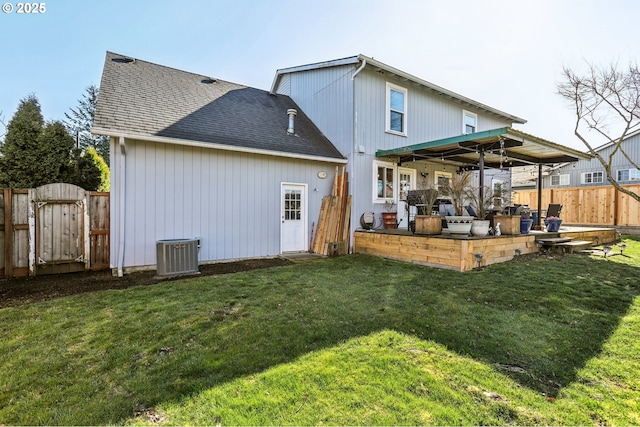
(502, 147)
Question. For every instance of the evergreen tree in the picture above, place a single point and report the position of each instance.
(92, 172)
(80, 120)
(55, 163)
(35, 154)
(19, 154)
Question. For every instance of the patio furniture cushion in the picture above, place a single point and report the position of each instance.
(554, 209)
(471, 211)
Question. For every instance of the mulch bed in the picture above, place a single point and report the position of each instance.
(19, 291)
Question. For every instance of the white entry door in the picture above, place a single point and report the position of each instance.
(407, 181)
(293, 231)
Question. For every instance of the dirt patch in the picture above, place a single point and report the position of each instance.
(19, 291)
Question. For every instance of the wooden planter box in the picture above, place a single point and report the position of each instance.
(508, 224)
(428, 224)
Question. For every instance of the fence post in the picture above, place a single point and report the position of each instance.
(8, 234)
(86, 229)
(616, 203)
(31, 216)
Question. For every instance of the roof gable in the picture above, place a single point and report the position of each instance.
(626, 140)
(361, 61)
(145, 100)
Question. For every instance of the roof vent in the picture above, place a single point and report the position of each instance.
(292, 114)
(208, 80)
(123, 60)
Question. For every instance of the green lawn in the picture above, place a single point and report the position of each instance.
(354, 340)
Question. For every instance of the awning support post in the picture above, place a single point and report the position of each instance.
(539, 193)
(481, 167)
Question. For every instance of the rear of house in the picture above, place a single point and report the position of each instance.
(244, 171)
(363, 106)
(193, 157)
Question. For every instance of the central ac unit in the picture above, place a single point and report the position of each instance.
(177, 256)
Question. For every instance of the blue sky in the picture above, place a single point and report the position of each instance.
(508, 54)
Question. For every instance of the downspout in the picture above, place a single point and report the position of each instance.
(354, 154)
(121, 220)
(360, 68)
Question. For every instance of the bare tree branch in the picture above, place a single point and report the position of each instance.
(606, 102)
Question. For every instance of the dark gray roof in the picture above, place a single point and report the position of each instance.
(142, 99)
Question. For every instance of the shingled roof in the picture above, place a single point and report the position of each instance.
(142, 100)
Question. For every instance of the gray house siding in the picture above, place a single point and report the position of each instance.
(326, 96)
(428, 117)
(231, 200)
(351, 112)
(577, 170)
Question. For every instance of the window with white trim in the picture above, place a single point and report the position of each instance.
(628, 175)
(406, 178)
(442, 179)
(592, 178)
(499, 189)
(558, 180)
(396, 120)
(469, 122)
(384, 188)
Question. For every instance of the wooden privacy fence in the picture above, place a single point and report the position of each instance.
(603, 205)
(56, 228)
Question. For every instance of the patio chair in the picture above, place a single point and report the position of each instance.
(554, 209)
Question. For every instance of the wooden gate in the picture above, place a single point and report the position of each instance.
(55, 228)
(61, 229)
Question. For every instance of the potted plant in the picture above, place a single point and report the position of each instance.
(425, 221)
(390, 217)
(552, 223)
(525, 220)
(481, 204)
(456, 190)
(509, 221)
(505, 220)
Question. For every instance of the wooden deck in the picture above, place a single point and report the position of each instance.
(459, 252)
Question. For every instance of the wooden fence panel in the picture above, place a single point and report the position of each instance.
(600, 205)
(628, 208)
(99, 217)
(20, 231)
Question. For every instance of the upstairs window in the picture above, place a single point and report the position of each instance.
(396, 121)
(628, 175)
(469, 122)
(593, 178)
